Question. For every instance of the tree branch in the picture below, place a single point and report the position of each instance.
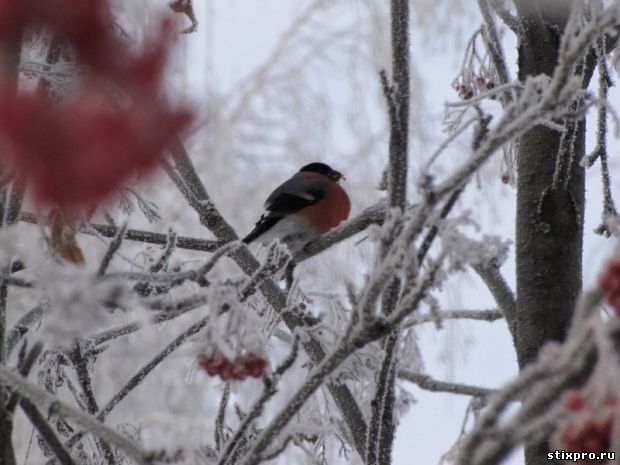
(43, 399)
(211, 218)
(501, 292)
(138, 235)
(429, 384)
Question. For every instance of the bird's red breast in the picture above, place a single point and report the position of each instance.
(331, 210)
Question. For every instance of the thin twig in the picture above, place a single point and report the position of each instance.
(427, 383)
(501, 292)
(47, 432)
(148, 237)
(115, 244)
(186, 176)
(44, 400)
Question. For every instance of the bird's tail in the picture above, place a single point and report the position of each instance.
(262, 226)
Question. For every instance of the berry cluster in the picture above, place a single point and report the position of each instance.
(589, 428)
(113, 125)
(609, 282)
(248, 364)
(479, 84)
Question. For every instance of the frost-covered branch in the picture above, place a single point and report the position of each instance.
(113, 247)
(505, 15)
(44, 400)
(188, 182)
(380, 434)
(22, 325)
(146, 369)
(359, 336)
(600, 150)
(135, 380)
(47, 432)
(494, 47)
(533, 107)
(537, 386)
(500, 290)
(427, 383)
(380, 426)
(397, 96)
(438, 317)
(232, 452)
(138, 235)
(371, 215)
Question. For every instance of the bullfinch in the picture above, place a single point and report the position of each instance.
(307, 205)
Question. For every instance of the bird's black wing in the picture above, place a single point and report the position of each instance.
(293, 195)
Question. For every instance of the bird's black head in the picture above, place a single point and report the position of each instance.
(323, 169)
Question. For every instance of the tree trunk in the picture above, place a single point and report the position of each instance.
(549, 220)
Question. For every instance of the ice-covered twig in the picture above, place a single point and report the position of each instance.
(552, 102)
(380, 430)
(79, 357)
(148, 237)
(270, 383)
(219, 420)
(482, 315)
(494, 47)
(541, 381)
(500, 290)
(44, 400)
(22, 325)
(397, 96)
(115, 244)
(47, 432)
(505, 15)
(604, 82)
(135, 380)
(186, 179)
(14, 206)
(371, 215)
(146, 369)
(361, 335)
(427, 383)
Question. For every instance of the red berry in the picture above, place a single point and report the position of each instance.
(573, 400)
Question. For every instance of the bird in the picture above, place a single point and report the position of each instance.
(302, 208)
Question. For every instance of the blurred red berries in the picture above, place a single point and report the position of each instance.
(589, 428)
(243, 366)
(573, 400)
(609, 282)
(76, 152)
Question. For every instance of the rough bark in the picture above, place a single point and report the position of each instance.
(549, 228)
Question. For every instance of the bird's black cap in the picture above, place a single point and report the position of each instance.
(323, 169)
